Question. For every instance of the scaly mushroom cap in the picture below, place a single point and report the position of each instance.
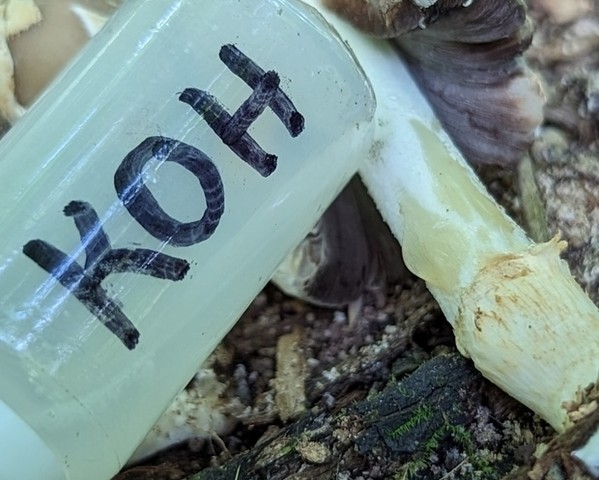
(467, 58)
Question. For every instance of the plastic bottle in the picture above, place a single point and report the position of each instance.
(119, 270)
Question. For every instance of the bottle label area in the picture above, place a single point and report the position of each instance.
(102, 258)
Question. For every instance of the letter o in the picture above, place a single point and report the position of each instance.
(144, 207)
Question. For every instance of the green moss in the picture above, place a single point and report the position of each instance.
(288, 448)
(482, 467)
(410, 470)
(421, 414)
(462, 436)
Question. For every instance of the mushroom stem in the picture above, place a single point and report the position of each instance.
(515, 308)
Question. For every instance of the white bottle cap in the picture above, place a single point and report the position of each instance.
(23, 455)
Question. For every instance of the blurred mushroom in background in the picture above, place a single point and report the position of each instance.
(16, 16)
(348, 253)
(39, 39)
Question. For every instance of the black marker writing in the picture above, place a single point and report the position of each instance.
(141, 204)
(232, 129)
(102, 260)
(246, 69)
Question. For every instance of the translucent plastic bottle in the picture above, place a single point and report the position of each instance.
(145, 200)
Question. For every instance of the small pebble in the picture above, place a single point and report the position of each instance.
(339, 317)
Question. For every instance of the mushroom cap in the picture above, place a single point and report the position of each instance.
(391, 18)
(349, 251)
(467, 59)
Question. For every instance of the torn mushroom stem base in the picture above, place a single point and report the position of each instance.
(515, 308)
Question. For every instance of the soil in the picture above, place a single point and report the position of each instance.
(287, 364)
